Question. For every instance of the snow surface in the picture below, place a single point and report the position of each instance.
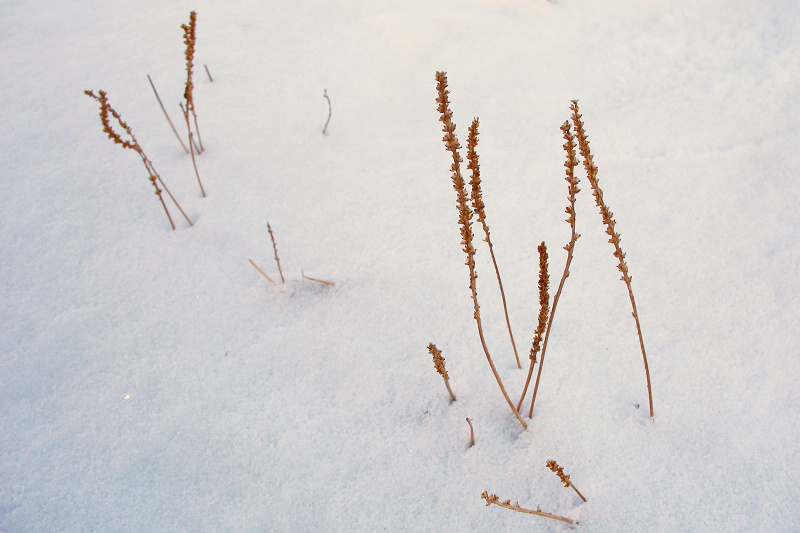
(152, 380)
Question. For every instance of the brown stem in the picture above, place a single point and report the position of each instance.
(191, 150)
(275, 249)
(493, 499)
(262, 272)
(544, 308)
(471, 433)
(315, 279)
(209, 74)
(149, 166)
(167, 115)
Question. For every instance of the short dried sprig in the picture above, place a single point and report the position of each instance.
(275, 249)
(493, 499)
(552, 465)
(438, 363)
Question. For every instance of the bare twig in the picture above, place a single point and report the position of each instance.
(325, 95)
(262, 272)
(317, 280)
(471, 434)
(209, 74)
(275, 249)
(171, 125)
(493, 499)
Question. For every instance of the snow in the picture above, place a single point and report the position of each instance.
(152, 380)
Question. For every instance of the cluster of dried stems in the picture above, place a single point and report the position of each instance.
(552, 465)
(574, 142)
(106, 111)
(465, 218)
(190, 39)
(278, 262)
(493, 499)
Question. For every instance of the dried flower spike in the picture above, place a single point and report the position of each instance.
(438, 363)
(189, 39)
(552, 465)
(544, 308)
(572, 192)
(479, 209)
(133, 144)
(493, 499)
(464, 219)
(614, 237)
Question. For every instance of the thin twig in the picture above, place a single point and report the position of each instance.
(317, 280)
(325, 95)
(275, 249)
(471, 434)
(167, 115)
(493, 499)
(262, 272)
(209, 74)
(191, 151)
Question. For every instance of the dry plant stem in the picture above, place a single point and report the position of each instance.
(493, 499)
(132, 144)
(275, 249)
(465, 214)
(552, 465)
(209, 74)
(194, 142)
(262, 272)
(614, 237)
(171, 125)
(438, 363)
(544, 307)
(471, 434)
(325, 95)
(572, 180)
(317, 280)
(478, 208)
(191, 151)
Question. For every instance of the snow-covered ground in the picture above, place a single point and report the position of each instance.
(152, 380)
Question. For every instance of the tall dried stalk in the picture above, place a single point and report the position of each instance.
(493, 499)
(438, 363)
(572, 180)
(275, 249)
(478, 208)
(133, 144)
(189, 38)
(464, 219)
(544, 308)
(614, 237)
(171, 125)
(552, 465)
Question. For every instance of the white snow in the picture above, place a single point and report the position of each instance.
(152, 380)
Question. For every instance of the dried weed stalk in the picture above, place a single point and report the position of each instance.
(544, 308)
(438, 363)
(464, 219)
(275, 249)
(572, 180)
(171, 125)
(471, 434)
(493, 499)
(190, 38)
(330, 283)
(552, 465)
(209, 73)
(133, 144)
(479, 209)
(614, 237)
(262, 272)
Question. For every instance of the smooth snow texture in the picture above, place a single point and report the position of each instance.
(152, 380)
